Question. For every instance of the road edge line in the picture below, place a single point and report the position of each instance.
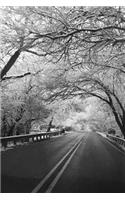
(113, 144)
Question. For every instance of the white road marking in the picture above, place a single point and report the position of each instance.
(115, 147)
(42, 182)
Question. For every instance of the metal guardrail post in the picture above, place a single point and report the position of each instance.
(117, 140)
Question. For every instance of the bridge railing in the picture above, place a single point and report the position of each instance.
(5, 141)
(117, 140)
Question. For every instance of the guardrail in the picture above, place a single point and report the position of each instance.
(117, 140)
(5, 141)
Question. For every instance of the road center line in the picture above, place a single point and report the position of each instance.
(56, 179)
(42, 182)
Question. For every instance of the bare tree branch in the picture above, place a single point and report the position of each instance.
(15, 77)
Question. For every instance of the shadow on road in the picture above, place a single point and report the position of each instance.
(17, 185)
(25, 185)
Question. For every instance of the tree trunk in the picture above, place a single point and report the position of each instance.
(119, 121)
(28, 127)
(123, 123)
(10, 63)
(120, 125)
(11, 131)
(50, 125)
(3, 127)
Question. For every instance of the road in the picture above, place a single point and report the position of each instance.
(76, 162)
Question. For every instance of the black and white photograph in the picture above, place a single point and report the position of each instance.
(62, 99)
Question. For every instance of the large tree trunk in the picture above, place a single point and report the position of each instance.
(121, 125)
(10, 63)
(119, 119)
(123, 132)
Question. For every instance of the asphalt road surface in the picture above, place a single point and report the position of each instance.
(77, 162)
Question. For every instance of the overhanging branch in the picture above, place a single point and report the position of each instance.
(16, 77)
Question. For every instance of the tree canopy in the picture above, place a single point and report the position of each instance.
(84, 44)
